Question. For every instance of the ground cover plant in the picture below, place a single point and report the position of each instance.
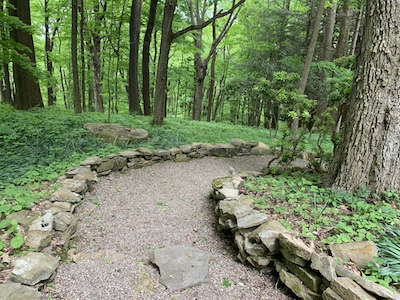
(322, 216)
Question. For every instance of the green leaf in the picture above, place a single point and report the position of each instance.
(17, 207)
(17, 241)
(4, 224)
(2, 244)
(226, 283)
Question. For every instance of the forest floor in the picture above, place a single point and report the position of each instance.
(131, 214)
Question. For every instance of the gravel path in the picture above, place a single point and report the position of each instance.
(162, 205)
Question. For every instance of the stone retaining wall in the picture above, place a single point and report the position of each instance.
(262, 241)
(50, 234)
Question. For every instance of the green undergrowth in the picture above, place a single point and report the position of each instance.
(37, 146)
(325, 216)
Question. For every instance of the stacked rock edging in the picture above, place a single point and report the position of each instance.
(261, 242)
(50, 234)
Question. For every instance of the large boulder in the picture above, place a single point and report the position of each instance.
(117, 133)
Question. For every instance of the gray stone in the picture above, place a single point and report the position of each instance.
(226, 193)
(181, 157)
(368, 285)
(181, 266)
(239, 241)
(358, 252)
(186, 149)
(258, 261)
(290, 256)
(117, 133)
(16, 291)
(40, 232)
(60, 206)
(296, 286)
(63, 220)
(119, 162)
(295, 246)
(105, 166)
(76, 186)
(86, 174)
(33, 268)
(175, 151)
(145, 151)
(65, 195)
(326, 265)
(268, 233)
(90, 161)
(161, 153)
(329, 294)
(237, 142)
(130, 154)
(349, 290)
(310, 278)
(260, 149)
(254, 249)
(252, 220)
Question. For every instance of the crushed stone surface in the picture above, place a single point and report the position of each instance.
(129, 215)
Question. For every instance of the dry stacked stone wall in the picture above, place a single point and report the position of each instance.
(260, 241)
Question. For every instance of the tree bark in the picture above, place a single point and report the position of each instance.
(96, 63)
(27, 90)
(329, 27)
(162, 67)
(343, 39)
(133, 76)
(82, 28)
(74, 57)
(369, 153)
(146, 57)
(356, 34)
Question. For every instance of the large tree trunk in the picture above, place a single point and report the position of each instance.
(369, 153)
(82, 28)
(328, 32)
(27, 90)
(133, 76)
(146, 58)
(74, 56)
(162, 67)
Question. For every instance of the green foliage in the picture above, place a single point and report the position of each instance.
(386, 268)
(351, 217)
(226, 283)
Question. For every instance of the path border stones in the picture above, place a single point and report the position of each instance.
(260, 241)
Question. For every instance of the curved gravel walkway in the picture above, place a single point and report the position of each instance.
(162, 205)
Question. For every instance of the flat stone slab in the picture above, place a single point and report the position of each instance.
(181, 267)
(16, 291)
(117, 133)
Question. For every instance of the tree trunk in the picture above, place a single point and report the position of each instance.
(309, 58)
(133, 76)
(96, 62)
(356, 33)
(162, 67)
(27, 90)
(369, 153)
(83, 63)
(6, 93)
(329, 27)
(146, 58)
(74, 57)
(51, 97)
(343, 39)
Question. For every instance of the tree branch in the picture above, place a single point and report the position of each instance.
(220, 14)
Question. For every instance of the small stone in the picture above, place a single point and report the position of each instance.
(22, 217)
(16, 291)
(326, 265)
(74, 185)
(33, 268)
(296, 286)
(237, 142)
(90, 161)
(260, 149)
(40, 232)
(358, 252)
(63, 220)
(295, 246)
(105, 166)
(348, 289)
(130, 154)
(119, 162)
(252, 220)
(65, 195)
(181, 157)
(329, 294)
(186, 149)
